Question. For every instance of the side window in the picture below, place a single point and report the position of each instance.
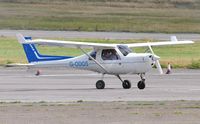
(93, 55)
(109, 54)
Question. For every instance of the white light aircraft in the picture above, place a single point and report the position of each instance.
(111, 59)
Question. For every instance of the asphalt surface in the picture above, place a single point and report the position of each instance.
(99, 35)
(20, 84)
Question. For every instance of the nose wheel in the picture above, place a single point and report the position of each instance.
(141, 85)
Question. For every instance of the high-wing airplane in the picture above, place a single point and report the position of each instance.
(111, 59)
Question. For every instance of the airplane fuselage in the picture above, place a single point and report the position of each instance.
(134, 63)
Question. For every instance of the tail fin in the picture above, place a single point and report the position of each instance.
(32, 53)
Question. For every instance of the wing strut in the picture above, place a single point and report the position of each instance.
(105, 71)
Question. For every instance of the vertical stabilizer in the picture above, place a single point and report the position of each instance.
(32, 53)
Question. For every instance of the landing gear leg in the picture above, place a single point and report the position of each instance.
(126, 84)
(141, 83)
(102, 76)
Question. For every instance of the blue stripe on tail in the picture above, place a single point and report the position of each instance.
(34, 56)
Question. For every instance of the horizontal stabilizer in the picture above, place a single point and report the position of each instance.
(18, 65)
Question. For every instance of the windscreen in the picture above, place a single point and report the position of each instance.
(125, 50)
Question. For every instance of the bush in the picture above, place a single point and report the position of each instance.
(194, 65)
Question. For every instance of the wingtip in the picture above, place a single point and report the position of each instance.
(173, 38)
(192, 41)
(20, 38)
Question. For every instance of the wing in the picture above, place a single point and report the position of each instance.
(173, 41)
(74, 44)
(71, 44)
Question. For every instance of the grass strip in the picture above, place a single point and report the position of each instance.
(170, 16)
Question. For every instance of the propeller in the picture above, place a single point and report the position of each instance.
(156, 59)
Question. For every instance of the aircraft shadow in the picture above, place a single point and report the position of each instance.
(66, 89)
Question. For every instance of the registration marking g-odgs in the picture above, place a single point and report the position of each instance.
(78, 64)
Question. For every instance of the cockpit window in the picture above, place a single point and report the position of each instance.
(124, 49)
(109, 54)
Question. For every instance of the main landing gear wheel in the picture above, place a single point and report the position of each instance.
(126, 84)
(141, 84)
(100, 84)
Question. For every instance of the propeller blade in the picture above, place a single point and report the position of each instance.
(156, 59)
(158, 66)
